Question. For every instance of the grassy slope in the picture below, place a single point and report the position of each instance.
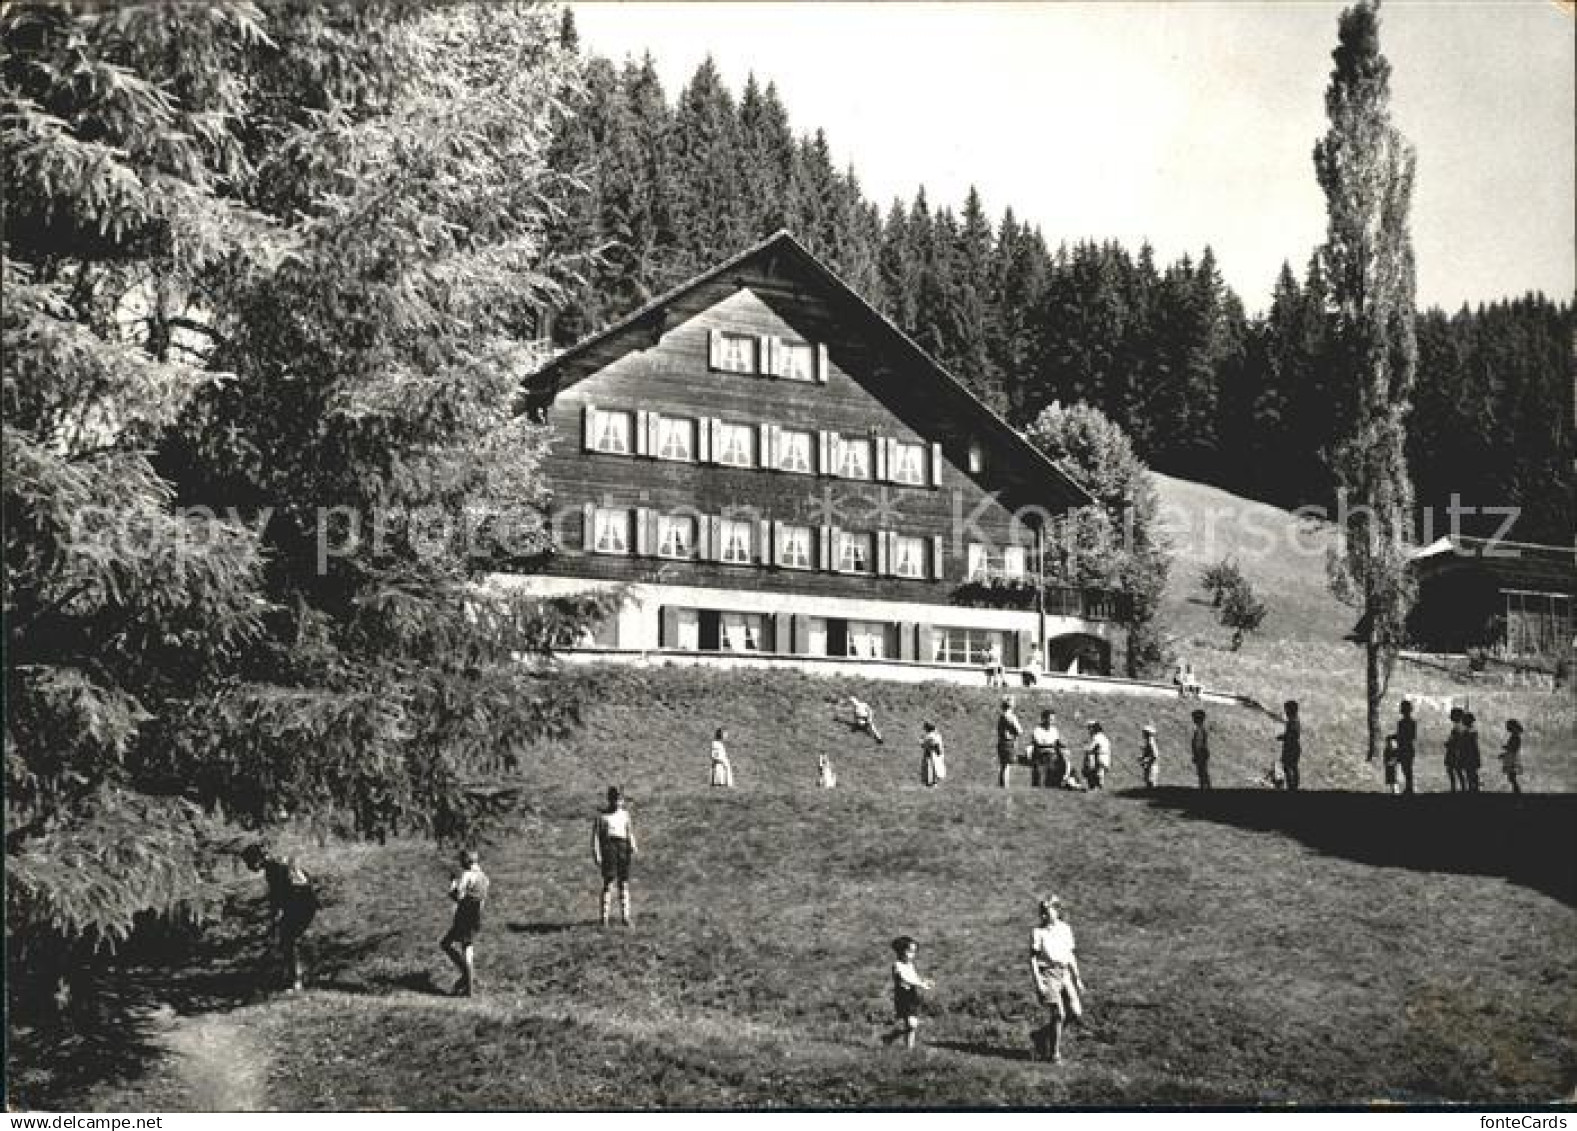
(1250, 947)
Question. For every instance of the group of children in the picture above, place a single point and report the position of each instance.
(1464, 759)
(1054, 970)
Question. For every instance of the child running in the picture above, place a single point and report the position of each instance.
(722, 768)
(1149, 757)
(907, 985)
(469, 892)
(1058, 983)
(613, 847)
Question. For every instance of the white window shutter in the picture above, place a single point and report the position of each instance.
(775, 443)
(714, 523)
(935, 478)
(764, 445)
(641, 418)
(936, 557)
(765, 356)
(763, 552)
(824, 452)
(714, 349)
(883, 552)
(654, 423)
(824, 548)
(777, 543)
(588, 420)
(645, 535)
(821, 363)
(588, 529)
(703, 440)
(879, 458)
(703, 538)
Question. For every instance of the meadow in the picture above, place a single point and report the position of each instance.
(1241, 947)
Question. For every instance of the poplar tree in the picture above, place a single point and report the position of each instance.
(1365, 167)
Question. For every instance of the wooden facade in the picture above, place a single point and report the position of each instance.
(761, 440)
(1515, 599)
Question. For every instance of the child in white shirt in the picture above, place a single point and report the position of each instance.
(722, 768)
(1058, 983)
(825, 778)
(1150, 757)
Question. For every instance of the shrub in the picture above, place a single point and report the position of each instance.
(1241, 611)
(1219, 579)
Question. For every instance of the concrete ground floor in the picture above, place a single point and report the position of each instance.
(741, 622)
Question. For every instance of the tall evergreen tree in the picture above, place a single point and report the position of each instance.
(1365, 167)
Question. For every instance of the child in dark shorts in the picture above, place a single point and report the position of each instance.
(292, 902)
(907, 985)
(469, 892)
(613, 847)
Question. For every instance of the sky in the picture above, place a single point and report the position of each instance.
(1183, 122)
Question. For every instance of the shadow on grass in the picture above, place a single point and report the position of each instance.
(112, 1031)
(1530, 839)
(550, 928)
(988, 1048)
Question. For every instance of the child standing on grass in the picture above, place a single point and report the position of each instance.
(933, 756)
(907, 986)
(1468, 755)
(1406, 744)
(1454, 752)
(825, 778)
(1043, 750)
(1009, 729)
(292, 904)
(1058, 983)
(469, 892)
(1391, 760)
(1511, 755)
(1097, 756)
(1149, 757)
(1199, 745)
(1291, 739)
(613, 847)
(722, 768)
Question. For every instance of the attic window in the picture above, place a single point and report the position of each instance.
(977, 458)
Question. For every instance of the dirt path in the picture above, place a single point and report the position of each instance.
(218, 1064)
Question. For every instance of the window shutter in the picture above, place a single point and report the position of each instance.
(777, 543)
(588, 419)
(824, 453)
(880, 453)
(766, 356)
(935, 478)
(764, 445)
(645, 534)
(824, 548)
(588, 529)
(703, 538)
(764, 542)
(704, 428)
(936, 557)
(714, 349)
(884, 555)
(670, 636)
(714, 523)
(641, 434)
(821, 363)
(775, 443)
(654, 422)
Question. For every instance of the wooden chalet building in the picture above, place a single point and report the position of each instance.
(770, 466)
(1513, 598)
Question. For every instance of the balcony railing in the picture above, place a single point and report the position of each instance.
(996, 591)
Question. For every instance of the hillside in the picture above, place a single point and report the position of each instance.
(756, 973)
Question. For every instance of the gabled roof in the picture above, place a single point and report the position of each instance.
(1032, 477)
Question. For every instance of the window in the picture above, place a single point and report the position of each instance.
(795, 550)
(794, 451)
(989, 562)
(735, 538)
(908, 464)
(675, 536)
(854, 458)
(675, 438)
(965, 645)
(736, 445)
(796, 361)
(908, 556)
(854, 552)
(868, 639)
(741, 632)
(611, 531)
(734, 353)
(610, 431)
